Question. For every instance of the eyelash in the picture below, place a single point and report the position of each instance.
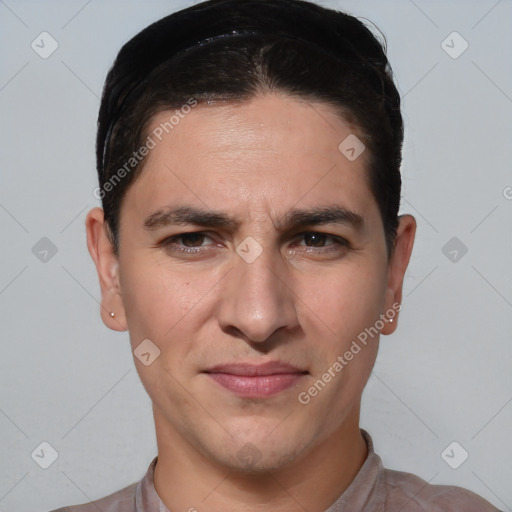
(169, 243)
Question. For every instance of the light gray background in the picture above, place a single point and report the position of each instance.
(444, 376)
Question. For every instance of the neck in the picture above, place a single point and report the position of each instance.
(186, 480)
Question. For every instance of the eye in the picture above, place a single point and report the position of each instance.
(314, 239)
(197, 242)
(190, 242)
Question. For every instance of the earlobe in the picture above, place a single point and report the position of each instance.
(107, 266)
(397, 267)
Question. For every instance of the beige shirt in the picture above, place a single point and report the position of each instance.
(374, 489)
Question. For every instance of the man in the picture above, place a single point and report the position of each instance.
(249, 166)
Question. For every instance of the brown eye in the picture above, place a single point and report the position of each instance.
(315, 239)
(192, 239)
(319, 240)
(187, 242)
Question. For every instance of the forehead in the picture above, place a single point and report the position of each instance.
(274, 123)
(271, 152)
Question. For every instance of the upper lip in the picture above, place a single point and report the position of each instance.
(252, 370)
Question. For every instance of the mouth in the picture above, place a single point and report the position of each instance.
(256, 380)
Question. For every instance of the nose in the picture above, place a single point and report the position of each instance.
(257, 299)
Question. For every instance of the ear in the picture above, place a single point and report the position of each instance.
(107, 266)
(397, 266)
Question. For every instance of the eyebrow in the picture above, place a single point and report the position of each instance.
(293, 219)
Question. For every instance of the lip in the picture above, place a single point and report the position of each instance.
(256, 380)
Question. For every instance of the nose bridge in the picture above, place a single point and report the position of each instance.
(260, 274)
(258, 301)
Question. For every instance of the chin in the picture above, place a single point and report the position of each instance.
(259, 453)
(262, 462)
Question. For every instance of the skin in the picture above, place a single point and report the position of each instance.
(301, 301)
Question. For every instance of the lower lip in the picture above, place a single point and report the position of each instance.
(257, 386)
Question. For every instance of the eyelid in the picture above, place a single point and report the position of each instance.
(316, 232)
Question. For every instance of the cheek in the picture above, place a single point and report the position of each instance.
(157, 301)
(151, 298)
(158, 297)
(346, 301)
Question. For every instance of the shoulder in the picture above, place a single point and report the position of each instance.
(416, 495)
(120, 501)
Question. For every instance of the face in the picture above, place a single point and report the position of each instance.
(252, 255)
